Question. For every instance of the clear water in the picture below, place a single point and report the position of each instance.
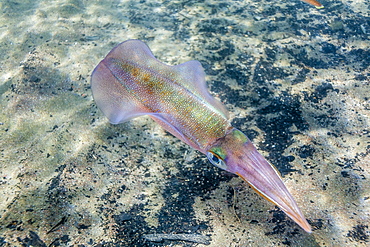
(295, 79)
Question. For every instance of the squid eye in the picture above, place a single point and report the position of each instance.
(216, 160)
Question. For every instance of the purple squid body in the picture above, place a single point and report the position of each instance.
(130, 82)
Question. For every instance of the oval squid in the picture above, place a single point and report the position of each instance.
(130, 82)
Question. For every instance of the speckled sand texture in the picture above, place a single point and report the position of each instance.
(295, 80)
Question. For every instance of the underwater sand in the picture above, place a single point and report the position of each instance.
(295, 79)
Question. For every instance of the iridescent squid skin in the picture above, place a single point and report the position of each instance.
(130, 82)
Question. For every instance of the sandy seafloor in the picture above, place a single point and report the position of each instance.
(295, 80)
